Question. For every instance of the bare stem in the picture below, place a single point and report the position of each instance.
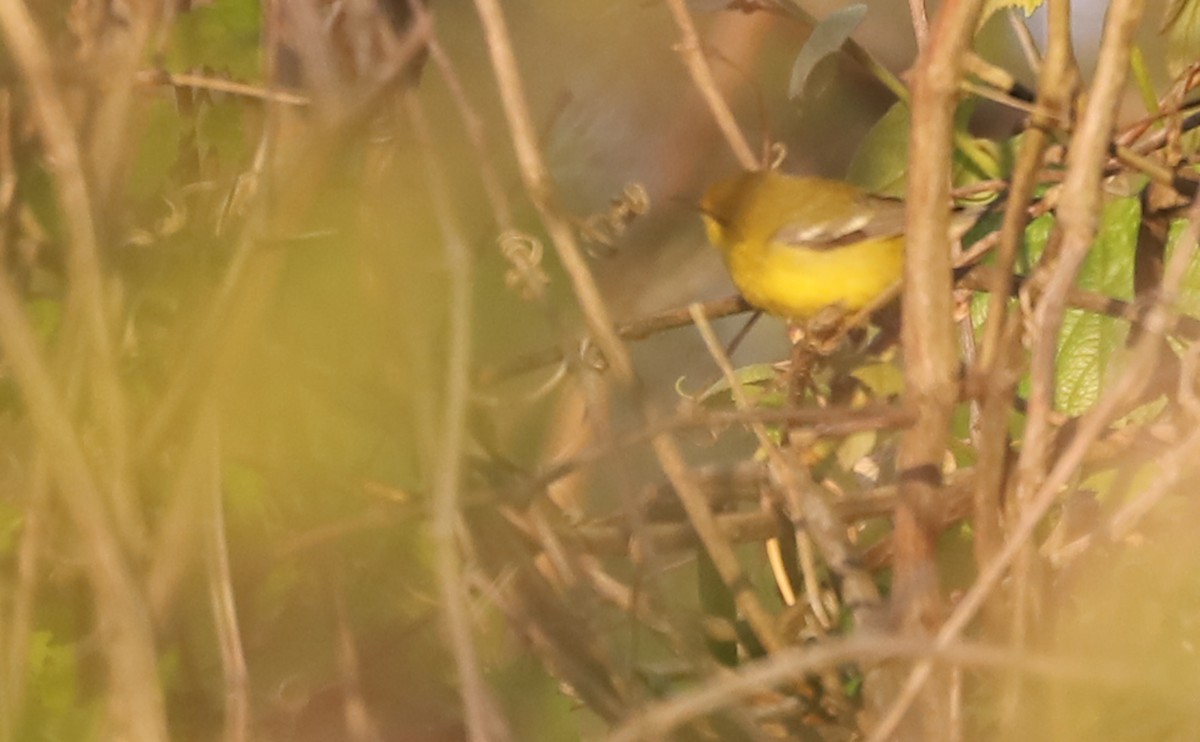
(482, 716)
(541, 190)
(693, 56)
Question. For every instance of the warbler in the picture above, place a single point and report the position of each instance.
(796, 245)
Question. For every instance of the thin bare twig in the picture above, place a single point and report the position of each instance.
(24, 596)
(221, 85)
(540, 187)
(220, 585)
(1174, 464)
(1033, 58)
(477, 133)
(920, 21)
(483, 718)
(769, 672)
(693, 56)
(1078, 214)
(136, 701)
(718, 547)
(808, 511)
(360, 727)
(1000, 333)
(28, 47)
(635, 330)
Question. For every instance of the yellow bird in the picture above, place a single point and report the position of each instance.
(796, 245)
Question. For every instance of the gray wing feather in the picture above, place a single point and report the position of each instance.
(878, 217)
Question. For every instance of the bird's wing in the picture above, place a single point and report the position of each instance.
(875, 217)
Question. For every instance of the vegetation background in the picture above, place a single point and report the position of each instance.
(347, 392)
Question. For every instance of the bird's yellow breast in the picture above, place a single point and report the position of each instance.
(795, 245)
(798, 282)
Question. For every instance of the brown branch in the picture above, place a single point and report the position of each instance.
(757, 526)
(928, 331)
(815, 422)
(700, 514)
(1001, 334)
(796, 662)
(1083, 176)
(928, 334)
(221, 85)
(636, 330)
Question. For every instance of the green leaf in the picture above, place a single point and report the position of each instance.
(993, 5)
(11, 520)
(45, 315)
(1181, 27)
(826, 39)
(883, 379)
(52, 673)
(1089, 341)
(157, 149)
(881, 163)
(855, 447)
(748, 376)
(222, 36)
(245, 494)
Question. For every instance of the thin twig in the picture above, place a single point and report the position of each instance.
(24, 597)
(220, 585)
(360, 727)
(477, 133)
(483, 718)
(693, 56)
(1000, 335)
(757, 526)
(540, 187)
(796, 662)
(1171, 466)
(704, 521)
(1020, 29)
(636, 330)
(221, 85)
(28, 47)
(807, 509)
(136, 700)
(920, 21)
